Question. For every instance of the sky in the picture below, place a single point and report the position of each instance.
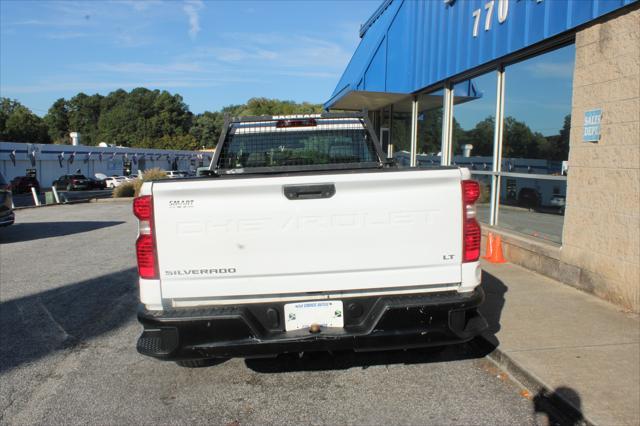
(213, 53)
(537, 92)
(217, 53)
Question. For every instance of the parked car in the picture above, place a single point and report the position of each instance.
(22, 184)
(559, 201)
(113, 181)
(7, 216)
(71, 183)
(529, 197)
(96, 183)
(173, 174)
(291, 250)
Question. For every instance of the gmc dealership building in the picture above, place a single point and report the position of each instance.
(541, 100)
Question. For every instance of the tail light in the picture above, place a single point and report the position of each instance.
(145, 244)
(470, 228)
(309, 122)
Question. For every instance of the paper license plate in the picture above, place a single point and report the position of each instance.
(325, 313)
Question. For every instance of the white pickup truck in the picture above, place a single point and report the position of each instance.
(304, 237)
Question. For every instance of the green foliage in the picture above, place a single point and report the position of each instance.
(481, 137)
(57, 121)
(140, 118)
(206, 128)
(519, 140)
(19, 124)
(126, 189)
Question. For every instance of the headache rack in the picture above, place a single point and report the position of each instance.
(287, 143)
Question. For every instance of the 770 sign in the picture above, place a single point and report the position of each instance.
(503, 11)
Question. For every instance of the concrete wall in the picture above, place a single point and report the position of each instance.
(601, 233)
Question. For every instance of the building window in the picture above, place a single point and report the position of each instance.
(401, 132)
(429, 136)
(473, 133)
(535, 145)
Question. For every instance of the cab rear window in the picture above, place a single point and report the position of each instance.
(296, 148)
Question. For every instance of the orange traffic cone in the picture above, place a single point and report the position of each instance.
(490, 244)
(496, 255)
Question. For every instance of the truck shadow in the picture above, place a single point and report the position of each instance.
(491, 309)
(479, 347)
(29, 231)
(35, 326)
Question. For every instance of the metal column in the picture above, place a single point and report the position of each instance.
(447, 125)
(497, 148)
(414, 131)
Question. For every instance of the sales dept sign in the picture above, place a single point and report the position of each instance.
(592, 125)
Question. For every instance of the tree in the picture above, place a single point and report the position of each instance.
(560, 148)
(206, 128)
(141, 117)
(520, 141)
(430, 131)
(264, 106)
(481, 137)
(19, 124)
(57, 121)
(84, 112)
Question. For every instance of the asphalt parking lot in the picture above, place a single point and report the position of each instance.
(67, 352)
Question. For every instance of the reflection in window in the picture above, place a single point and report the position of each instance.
(538, 113)
(536, 142)
(430, 112)
(401, 133)
(533, 206)
(473, 130)
(474, 117)
(429, 138)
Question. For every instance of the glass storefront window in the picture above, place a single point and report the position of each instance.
(538, 112)
(536, 144)
(401, 133)
(429, 138)
(473, 132)
(533, 206)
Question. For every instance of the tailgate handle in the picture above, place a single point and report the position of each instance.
(309, 192)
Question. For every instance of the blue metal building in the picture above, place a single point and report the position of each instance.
(408, 46)
(540, 99)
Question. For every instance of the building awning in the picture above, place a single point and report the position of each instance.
(357, 100)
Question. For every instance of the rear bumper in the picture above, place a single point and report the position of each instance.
(371, 323)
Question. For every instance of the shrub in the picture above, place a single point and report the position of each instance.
(132, 188)
(153, 174)
(125, 189)
(148, 176)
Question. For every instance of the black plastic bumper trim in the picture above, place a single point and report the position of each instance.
(371, 323)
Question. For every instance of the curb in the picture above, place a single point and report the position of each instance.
(111, 200)
(566, 411)
(87, 200)
(51, 205)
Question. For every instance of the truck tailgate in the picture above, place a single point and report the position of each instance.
(228, 237)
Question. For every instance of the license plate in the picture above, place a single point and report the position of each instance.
(325, 313)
